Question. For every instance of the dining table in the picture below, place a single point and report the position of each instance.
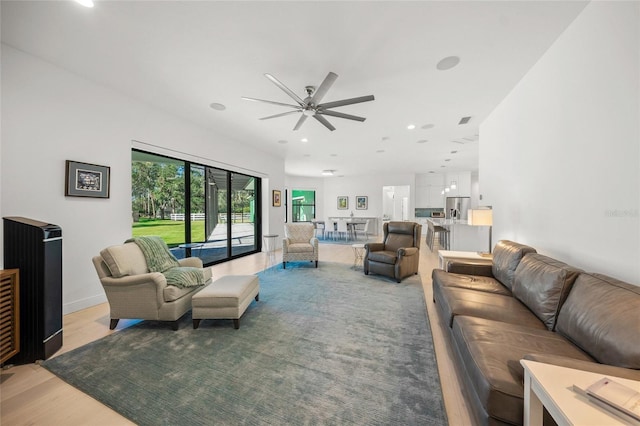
(351, 226)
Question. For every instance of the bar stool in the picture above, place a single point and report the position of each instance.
(443, 237)
(441, 232)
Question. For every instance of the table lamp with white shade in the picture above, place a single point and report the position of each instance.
(482, 217)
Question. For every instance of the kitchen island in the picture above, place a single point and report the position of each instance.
(465, 237)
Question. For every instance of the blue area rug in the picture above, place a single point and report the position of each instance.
(322, 346)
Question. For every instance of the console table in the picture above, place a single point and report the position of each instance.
(445, 256)
(551, 386)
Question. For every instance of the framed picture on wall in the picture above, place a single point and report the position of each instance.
(277, 202)
(343, 202)
(362, 202)
(86, 180)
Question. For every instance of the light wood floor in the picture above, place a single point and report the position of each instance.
(30, 395)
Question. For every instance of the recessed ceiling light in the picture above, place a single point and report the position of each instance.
(454, 152)
(304, 140)
(217, 106)
(447, 159)
(448, 63)
(411, 126)
(422, 141)
(428, 126)
(431, 171)
(385, 138)
(380, 151)
(307, 155)
(333, 155)
(85, 3)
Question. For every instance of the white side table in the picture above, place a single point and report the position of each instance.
(270, 249)
(550, 386)
(445, 256)
(358, 255)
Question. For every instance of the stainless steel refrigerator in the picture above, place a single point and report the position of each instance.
(457, 208)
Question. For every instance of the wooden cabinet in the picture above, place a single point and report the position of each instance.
(9, 314)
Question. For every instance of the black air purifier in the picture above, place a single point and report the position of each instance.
(35, 248)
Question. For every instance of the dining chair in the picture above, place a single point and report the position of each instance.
(343, 228)
(318, 227)
(329, 228)
(365, 230)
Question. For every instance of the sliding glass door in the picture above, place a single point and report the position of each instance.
(198, 210)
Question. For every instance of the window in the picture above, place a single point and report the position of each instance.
(198, 210)
(303, 205)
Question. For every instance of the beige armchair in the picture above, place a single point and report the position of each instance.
(134, 292)
(299, 244)
(398, 255)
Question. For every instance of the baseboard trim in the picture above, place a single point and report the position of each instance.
(79, 305)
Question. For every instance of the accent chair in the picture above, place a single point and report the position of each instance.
(398, 255)
(299, 244)
(134, 292)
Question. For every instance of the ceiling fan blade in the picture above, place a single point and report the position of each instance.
(281, 115)
(323, 88)
(324, 122)
(285, 89)
(300, 121)
(341, 115)
(346, 102)
(270, 102)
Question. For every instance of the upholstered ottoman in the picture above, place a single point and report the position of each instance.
(225, 298)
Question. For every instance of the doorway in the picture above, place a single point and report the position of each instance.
(395, 202)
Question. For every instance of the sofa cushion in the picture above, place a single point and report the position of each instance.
(506, 257)
(490, 351)
(172, 292)
(124, 259)
(543, 283)
(472, 282)
(300, 248)
(461, 301)
(383, 256)
(602, 316)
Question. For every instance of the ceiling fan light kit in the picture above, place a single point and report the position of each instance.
(311, 106)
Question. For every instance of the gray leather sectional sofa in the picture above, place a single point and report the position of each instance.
(526, 305)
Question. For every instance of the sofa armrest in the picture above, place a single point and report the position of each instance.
(143, 290)
(193, 262)
(285, 245)
(469, 268)
(593, 367)
(407, 251)
(155, 278)
(374, 247)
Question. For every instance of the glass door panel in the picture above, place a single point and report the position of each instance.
(157, 198)
(243, 214)
(217, 217)
(303, 207)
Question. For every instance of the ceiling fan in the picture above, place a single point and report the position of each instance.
(311, 106)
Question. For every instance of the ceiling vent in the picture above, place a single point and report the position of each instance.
(464, 120)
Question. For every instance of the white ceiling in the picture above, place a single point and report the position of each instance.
(181, 56)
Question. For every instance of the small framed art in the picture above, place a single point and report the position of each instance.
(362, 202)
(86, 180)
(343, 202)
(277, 202)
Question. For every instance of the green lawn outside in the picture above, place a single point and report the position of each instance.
(171, 231)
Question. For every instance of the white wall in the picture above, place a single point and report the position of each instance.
(50, 115)
(560, 156)
(329, 188)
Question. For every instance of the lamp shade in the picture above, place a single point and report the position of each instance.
(481, 217)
